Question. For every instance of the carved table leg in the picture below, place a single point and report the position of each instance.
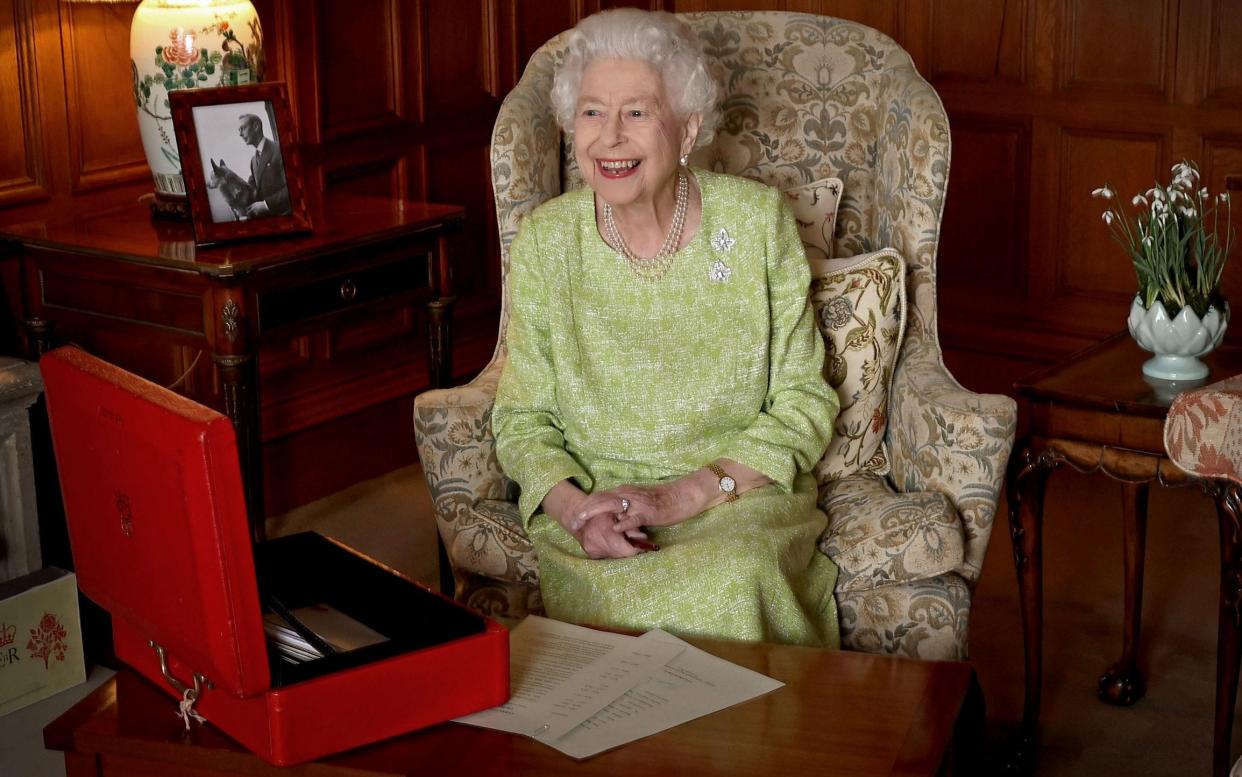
(38, 338)
(1229, 626)
(1122, 683)
(1026, 479)
(238, 383)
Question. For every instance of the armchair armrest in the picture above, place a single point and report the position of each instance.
(1203, 431)
(453, 429)
(944, 438)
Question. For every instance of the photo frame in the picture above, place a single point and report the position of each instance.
(239, 158)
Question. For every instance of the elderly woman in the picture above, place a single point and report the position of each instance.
(663, 399)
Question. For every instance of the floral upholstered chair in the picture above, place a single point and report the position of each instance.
(804, 98)
(1203, 437)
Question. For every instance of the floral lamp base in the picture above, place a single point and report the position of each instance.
(1176, 341)
(186, 44)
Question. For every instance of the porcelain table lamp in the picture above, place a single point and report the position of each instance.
(185, 44)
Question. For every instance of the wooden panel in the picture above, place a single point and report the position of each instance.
(978, 40)
(1118, 44)
(452, 169)
(359, 66)
(384, 326)
(461, 64)
(105, 146)
(22, 167)
(594, 6)
(1224, 77)
(685, 6)
(1222, 157)
(874, 13)
(533, 29)
(983, 236)
(1088, 261)
(285, 357)
(382, 178)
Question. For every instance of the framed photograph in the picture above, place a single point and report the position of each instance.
(240, 162)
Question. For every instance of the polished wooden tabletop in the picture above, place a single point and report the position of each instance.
(124, 230)
(839, 714)
(1109, 376)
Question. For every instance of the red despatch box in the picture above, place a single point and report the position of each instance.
(158, 528)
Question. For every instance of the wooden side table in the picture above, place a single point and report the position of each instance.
(1096, 413)
(121, 284)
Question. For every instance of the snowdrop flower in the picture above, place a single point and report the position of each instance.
(1158, 206)
(1203, 193)
(1107, 216)
(1147, 241)
(1104, 192)
(1224, 196)
(1155, 194)
(1184, 170)
(1139, 200)
(1188, 212)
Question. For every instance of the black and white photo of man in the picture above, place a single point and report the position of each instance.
(267, 171)
(232, 194)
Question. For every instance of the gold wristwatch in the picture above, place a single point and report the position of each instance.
(728, 486)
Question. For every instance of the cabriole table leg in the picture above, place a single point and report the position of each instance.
(1122, 683)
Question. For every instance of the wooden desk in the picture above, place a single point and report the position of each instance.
(839, 714)
(1096, 413)
(138, 292)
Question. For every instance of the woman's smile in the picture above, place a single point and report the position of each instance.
(618, 168)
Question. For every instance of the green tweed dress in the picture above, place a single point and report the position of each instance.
(613, 380)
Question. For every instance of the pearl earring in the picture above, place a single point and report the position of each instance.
(685, 160)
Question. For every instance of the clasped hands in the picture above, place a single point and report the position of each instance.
(610, 524)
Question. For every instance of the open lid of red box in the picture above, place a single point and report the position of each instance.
(157, 519)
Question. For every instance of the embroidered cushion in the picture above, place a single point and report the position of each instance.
(878, 537)
(815, 209)
(860, 308)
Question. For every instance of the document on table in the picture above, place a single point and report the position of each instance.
(693, 684)
(584, 691)
(562, 674)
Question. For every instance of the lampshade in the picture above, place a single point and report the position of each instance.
(186, 44)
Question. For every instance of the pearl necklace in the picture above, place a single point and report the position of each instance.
(652, 269)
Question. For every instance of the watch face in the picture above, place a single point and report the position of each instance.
(728, 484)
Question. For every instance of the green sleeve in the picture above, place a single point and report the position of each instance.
(793, 428)
(530, 443)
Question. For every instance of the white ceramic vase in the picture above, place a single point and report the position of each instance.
(186, 44)
(1176, 341)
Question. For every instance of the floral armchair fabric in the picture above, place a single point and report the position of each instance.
(1203, 431)
(804, 98)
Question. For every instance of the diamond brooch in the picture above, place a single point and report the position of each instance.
(720, 272)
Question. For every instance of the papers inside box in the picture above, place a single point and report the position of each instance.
(346, 609)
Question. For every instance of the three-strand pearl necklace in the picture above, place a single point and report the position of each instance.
(652, 269)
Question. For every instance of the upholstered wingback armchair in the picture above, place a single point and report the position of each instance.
(804, 97)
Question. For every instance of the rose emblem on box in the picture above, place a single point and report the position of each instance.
(47, 641)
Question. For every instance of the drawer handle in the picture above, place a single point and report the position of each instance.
(348, 290)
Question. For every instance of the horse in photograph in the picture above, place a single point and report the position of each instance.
(237, 192)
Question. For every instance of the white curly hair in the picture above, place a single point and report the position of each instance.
(655, 37)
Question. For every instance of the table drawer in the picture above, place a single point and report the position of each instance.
(282, 307)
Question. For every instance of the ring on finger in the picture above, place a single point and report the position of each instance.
(625, 505)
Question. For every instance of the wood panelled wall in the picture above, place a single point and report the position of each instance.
(1047, 100)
